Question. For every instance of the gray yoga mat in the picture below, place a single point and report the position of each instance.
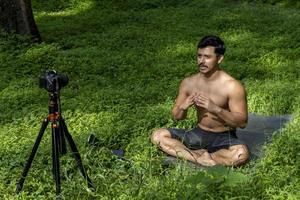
(260, 130)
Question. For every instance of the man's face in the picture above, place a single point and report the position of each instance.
(207, 59)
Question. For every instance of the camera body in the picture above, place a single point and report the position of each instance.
(53, 81)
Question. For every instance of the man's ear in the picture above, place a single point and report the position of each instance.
(220, 58)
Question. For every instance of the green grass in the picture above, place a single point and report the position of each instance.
(125, 60)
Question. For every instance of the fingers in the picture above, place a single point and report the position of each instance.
(198, 98)
(201, 100)
(202, 95)
(192, 97)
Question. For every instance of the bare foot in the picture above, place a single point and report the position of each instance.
(203, 158)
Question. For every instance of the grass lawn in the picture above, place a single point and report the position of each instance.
(125, 60)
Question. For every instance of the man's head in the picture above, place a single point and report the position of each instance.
(210, 53)
(214, 41)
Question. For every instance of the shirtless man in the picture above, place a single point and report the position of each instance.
(221, 106)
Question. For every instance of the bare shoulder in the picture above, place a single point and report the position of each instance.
(233, 86)
(188, 83)
(190, 79)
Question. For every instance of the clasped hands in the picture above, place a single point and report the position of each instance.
(201, 100)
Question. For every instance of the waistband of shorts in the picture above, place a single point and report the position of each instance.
(223, 132)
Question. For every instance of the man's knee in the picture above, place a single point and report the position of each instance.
(158, 136)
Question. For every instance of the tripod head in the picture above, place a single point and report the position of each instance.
(53, 81)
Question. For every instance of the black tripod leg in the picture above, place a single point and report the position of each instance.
(31, 157)
(76, 153)
(55, 157)
(62, 141)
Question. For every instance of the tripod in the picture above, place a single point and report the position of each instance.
(59, 134)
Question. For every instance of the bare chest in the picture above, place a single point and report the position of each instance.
(216, 93)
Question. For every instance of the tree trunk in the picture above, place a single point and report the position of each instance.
(16, 16)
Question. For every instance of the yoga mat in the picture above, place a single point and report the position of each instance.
(260, 130)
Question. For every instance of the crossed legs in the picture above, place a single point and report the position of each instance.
(233, 156)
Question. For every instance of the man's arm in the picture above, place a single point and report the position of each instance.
(183, 101)
(237, 114)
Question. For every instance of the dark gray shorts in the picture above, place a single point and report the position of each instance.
(200, 139)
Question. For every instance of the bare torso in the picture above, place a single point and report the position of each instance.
(217, 91)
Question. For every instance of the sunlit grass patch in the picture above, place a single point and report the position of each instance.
(62, 8)
(180, 48)
(272, 97)
(36, 53)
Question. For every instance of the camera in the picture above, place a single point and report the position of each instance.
(53, 81)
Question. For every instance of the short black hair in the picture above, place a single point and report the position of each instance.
(215, 41)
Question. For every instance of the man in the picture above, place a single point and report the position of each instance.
(220, 102)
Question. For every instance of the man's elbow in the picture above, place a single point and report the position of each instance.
(242, 124)
(176, 116)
